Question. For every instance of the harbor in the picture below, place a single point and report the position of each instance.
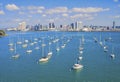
(68, 57)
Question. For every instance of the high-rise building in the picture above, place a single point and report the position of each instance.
(78, 25)
(72, 26)
(51, 25)
(113, 24)
(61, 26)
(22, 26)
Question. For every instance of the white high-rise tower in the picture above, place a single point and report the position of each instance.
(22, 26)
(78, 25)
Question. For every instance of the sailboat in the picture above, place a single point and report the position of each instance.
(82, 40)
(26, 41)
(81, 47)
(19, 42)
(80, 57)
(109, 38)
(63, 44)
(50, 52)
(57, 48)
(105, 47)
(112, 55)
(95, 39)
(15, 56)
(24, 45)
(77, 65)
(11, 45)
(29, 51)
(10, 42)
(37, 47)
(100, 41)
(44, 58)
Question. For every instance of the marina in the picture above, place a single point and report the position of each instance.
(60, 57)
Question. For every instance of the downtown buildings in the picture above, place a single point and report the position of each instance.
(75, 26)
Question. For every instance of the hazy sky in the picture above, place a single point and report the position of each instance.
(90, 12)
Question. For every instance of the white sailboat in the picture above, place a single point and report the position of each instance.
(80, 57)
(26, 41)
(10, 42)
(112, 55)
(100, 41)
(24, 45)
(95, 39)
(81, 47)
(11, 45)
(77, 65)
(105, 47)
(82, 40)
(50, 52)
(19, 42)
(29, 50)
(15, 56)
(109, 38)
(63, 44)
(57, 47)
(44, 58)
(37, 46)
(31, 42)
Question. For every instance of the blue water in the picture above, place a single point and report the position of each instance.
(98, 65)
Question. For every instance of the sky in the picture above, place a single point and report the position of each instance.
(89, 12)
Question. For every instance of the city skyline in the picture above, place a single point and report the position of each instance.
(90, 12)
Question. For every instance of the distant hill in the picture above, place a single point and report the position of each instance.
(2, 33)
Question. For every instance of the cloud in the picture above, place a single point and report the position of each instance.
(35, 11)
(2, 12)
(44, 15)
(39, 11)
(117, 17)
(80, 16)
(89, 10)
(57, 10)
(21, 13)
(17, 20)
(83, 16)
(35, 7)
(65, 15)
(115, 0)
(12, 7)
(50, 20)
(90, 18)
(29, 16)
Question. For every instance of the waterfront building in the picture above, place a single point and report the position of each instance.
(51, 26)
(22, 26)
(78, 26)
(72, 26)
(113, 25)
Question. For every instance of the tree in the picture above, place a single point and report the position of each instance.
(2, 33)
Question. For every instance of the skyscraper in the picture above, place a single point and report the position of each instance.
(78, 25)
(51, 25)
(22, 26)
(113, 24)
(72, 26)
